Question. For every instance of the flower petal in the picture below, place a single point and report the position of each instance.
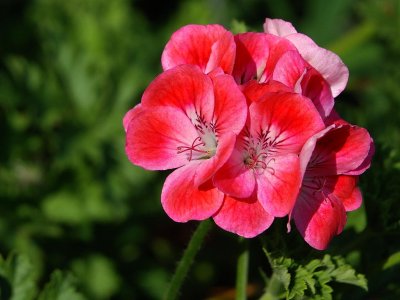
(366, 163)
(347, 191)
(279, 184)
(354, 201)
(254, 90)
(152, 139)
(289, 68)
(230, 111)
(326, 62)
(341, 149)
(318, 217)
(209, 167)
(184, 87)
(183, 201)
(278, 27)
(234, 179)
(290, 119)
(131, 114)
(245, 217)
(252, 51)
(207, 46)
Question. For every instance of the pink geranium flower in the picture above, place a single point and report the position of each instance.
(329, 160)
(207, 46)
(267, 56)
(327, 63)
(186, 120)
(262, 177)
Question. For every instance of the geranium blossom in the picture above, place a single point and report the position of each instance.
(266, 57)
(329, 160)
(248, 120)
(207, 46)
(327, 63)
(265, 159)
(185, 121)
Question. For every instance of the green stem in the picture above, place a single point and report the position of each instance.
(187, 259)
(242, 270)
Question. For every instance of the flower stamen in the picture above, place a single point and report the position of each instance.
(196, 143)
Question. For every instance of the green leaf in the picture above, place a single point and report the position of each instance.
(312, 279)
(346, 274)
(18, 272)
(393, 260)
(60, 287)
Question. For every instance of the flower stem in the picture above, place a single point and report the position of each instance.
(187, 259)
(242, 270)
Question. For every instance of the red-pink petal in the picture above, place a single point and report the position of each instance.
(230, 111)
(345, 188)
(245, 217)
(182, 200)
(152, 139)
(279, 184)
(234, 178)
(318, 217)
(131, 114)
(254, 91)
(340, 150)
(326, 62)
(184, 87)
(289, 69)
(252, 51)
(207, 46)
(354, 201)
(278, 27)
(315, 87)
(366, 163)
(208, 167)
(290, 119)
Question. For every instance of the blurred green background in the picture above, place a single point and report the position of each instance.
(69, 198)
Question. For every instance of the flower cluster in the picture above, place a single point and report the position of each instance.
(247, 121)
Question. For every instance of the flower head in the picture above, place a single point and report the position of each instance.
(185, 121)
(329, 161)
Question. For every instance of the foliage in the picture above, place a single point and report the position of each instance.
(311, 279)
(70, 200)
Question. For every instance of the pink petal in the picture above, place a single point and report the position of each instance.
(318, 217)
(207, 46)
(289, 69)
(131, 114)
(254, 90)
(278, 27)
(209, 167)
(234, 179)
(278, 47)
(315, 87)
(230, 110)
(347, 191)
(279, 184)
(184, 87)
(366, 163)
(326, 62)
(245, 217)
(289, 118)
(152, 139)
(309, 147)
(183, 201)
(354, 201)
(341, 150)
(252, 51)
